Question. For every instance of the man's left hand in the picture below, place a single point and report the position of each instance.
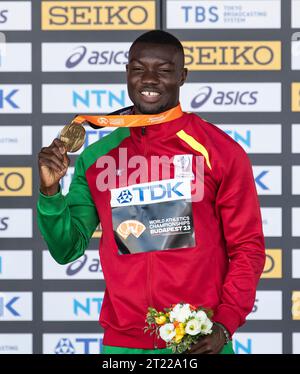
(210, 344)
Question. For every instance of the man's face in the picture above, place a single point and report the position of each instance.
(155, 73)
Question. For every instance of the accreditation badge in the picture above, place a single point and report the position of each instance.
(153, 216)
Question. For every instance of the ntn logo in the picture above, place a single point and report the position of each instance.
(241, 138)
(97, 98)
(87, 305)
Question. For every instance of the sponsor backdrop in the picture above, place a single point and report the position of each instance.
(60, 58)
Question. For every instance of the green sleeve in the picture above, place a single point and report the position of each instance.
(68, 222)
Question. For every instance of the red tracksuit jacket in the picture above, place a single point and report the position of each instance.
(160, 246)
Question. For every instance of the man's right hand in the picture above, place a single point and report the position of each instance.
(53, 165)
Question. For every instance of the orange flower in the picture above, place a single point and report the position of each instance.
(192, 307)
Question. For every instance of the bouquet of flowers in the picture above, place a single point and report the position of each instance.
(179, 326)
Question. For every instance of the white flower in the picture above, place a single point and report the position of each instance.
(193, 327)
(201, 316)
(180, 313)
(167, 332)
(206, 327)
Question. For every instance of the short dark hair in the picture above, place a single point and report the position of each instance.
(159, 37)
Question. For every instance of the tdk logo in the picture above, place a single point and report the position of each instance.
(7, 99)
(81, 345)
(124, 197)
(9, 307)
(64, 346)
(159, 191)
(151, 193)
(259, 180)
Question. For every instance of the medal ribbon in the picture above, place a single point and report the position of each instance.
(131, 120)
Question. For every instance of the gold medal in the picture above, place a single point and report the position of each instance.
(73, 136)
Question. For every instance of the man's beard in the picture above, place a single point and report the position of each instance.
(144, 110)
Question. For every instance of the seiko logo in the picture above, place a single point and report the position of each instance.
(11, 181)
(234, 55)
(100, 14)
(15, 181)
(107, 15)
(224, 98)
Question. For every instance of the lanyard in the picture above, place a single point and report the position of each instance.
(130, 120)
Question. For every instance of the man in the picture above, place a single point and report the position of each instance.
(159, 245)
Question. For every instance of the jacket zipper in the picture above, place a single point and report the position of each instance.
(149, 290)
(144, 140)
(149, 278)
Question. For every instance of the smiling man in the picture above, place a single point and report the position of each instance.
(155, 73)
(161, 243)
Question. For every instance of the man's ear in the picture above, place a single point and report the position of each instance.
(126, 67)
(183, 76)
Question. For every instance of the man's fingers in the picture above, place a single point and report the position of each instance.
(200, 346)
(54, 161)
(60, 145)
(57, 153)
(66, 160)
(200, 351)
(50, 164)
